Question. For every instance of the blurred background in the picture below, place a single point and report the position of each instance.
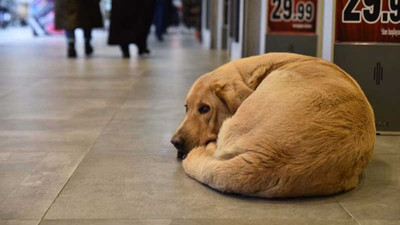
(38, 16)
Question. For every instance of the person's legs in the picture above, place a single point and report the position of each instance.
(158, 20)
(142, 46)
(88, 36)
(125, 50)
(87, 33)
(70, 34)
(147, 18)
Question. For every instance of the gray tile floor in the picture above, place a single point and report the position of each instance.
(86, 141)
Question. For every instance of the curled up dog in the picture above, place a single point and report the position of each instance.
(277, 125)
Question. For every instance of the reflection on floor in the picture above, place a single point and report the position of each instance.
(86, 141)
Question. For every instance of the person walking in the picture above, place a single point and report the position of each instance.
(166, 14)
(192, 15)
(73, 14)
(130, 24)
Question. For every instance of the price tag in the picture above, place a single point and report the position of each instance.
(368, 21)
(292, 16)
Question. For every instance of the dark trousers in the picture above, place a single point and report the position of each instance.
(70, 34)
(160, 18)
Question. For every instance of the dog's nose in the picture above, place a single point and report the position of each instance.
(177, 142)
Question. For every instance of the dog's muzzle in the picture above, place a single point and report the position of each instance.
(179, 144)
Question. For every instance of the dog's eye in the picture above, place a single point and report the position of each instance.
(204, 109)
(186, 108)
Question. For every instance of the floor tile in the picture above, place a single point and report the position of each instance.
(107, 222)
(387, 144)
(48, 135)
(379, 222)
(15, 167)
(269, 221)
(378, 195)
(33, 196)
(126, 185)
(19, 222)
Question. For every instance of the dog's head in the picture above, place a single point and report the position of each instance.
(213, 98)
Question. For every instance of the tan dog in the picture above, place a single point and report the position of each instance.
(277, 125)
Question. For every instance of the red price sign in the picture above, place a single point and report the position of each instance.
(368, 21)
(292, 16)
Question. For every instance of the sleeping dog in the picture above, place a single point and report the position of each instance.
(276, 125)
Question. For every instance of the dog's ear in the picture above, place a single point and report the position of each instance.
(257, 76)
(232, 94)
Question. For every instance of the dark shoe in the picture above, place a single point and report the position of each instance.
(144, 51)
(125, 51)
(71, 51)
(88, 49)
(126, 55)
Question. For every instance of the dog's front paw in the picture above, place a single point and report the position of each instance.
(194, 161)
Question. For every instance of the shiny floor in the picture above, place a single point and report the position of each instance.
(86, 141)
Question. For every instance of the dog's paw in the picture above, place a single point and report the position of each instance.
(195, 160)
(196, 153)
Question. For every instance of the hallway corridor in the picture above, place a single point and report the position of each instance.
(86, 141)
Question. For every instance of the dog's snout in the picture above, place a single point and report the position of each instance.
(177, 142)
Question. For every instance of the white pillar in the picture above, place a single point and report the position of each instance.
(328, 30)
(237, 47)
(263, 26)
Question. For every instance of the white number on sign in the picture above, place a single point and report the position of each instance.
(283, 11)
